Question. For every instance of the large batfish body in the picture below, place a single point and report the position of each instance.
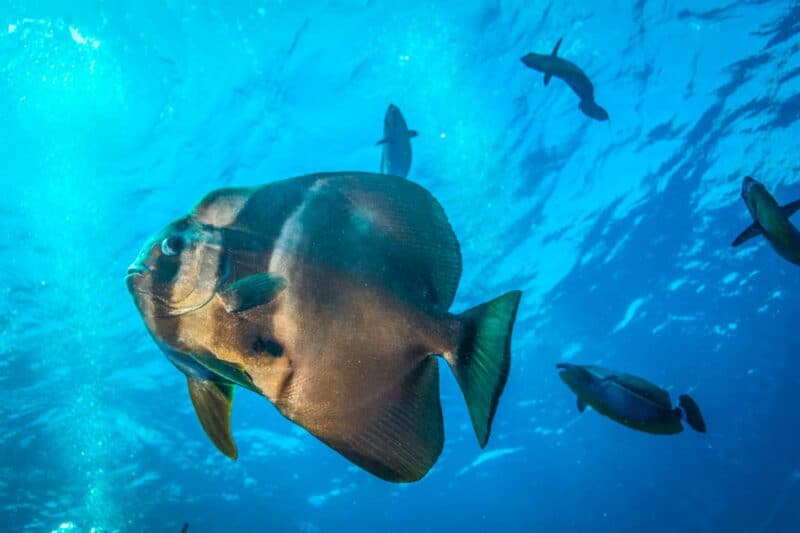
(329, 295)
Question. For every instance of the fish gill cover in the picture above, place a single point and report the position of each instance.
(118, 116)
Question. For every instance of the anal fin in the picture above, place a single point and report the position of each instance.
(400, 434)
(212, 403)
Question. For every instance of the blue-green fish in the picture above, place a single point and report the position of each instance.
(770, 220)
(630, 400)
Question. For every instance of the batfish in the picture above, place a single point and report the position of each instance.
(396, 143)
(329, 295)
(770, 220)
(552, 65)
(630, 400)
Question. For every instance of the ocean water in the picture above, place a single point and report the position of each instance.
(117, 116)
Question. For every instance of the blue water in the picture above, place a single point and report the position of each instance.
(117, 116)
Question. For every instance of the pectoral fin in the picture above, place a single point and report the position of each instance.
(252, 291)
(231, 372)
(412, 134)
(382, 141)
(581, 405)
(791, 208)
(212, 402)
(754, 230)
(547, 78)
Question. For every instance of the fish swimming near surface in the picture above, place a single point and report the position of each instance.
(630, 400)
(396, 143)
(552, 65)
(770, 220)
(328, 294)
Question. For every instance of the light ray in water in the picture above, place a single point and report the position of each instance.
(780, 501)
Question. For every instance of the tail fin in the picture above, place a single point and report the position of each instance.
(692, 413)
(483, 357)
(593, 110)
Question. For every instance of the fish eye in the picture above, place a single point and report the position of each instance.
(172, 245)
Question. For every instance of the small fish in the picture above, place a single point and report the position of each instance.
(630, 400)
(552, 65)
(328, 294)
(396, 143)
(770, 220)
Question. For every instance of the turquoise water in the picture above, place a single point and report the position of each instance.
(119, 116)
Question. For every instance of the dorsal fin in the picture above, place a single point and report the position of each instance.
(556, 47)
(220, 208)
(381, 229)
(645, 389)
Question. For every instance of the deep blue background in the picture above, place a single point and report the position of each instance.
(117, 116)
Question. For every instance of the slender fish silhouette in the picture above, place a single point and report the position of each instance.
(552, 65)
(770, 220)
(630, 400)
(396, 143)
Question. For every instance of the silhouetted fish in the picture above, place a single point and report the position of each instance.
(396, 143)
(770, 220)
(630, 400)
(552, 65)
(329, 295)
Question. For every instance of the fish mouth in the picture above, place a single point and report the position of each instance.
(748, 184)
(574, 376)
(566, 372)
(136, 268)
(134, 271)
(533, 61)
